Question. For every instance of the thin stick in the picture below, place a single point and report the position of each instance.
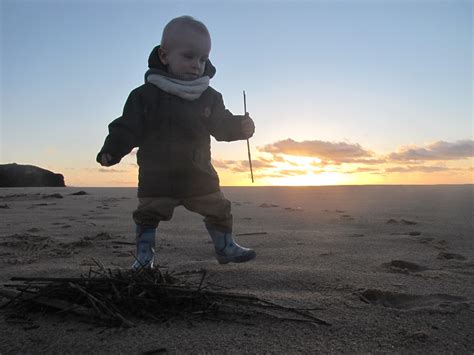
(248, 144)
(253, 233)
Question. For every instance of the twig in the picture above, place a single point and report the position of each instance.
(202, 279)
(54, 303)
(248, 144)
(103, 305)
(122, 243)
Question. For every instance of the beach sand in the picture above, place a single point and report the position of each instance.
(390, 267)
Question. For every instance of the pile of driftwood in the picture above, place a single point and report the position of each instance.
(112, 297)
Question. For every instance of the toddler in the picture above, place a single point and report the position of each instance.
(170, 119)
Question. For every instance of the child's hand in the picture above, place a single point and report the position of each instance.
(248, 127)
(105, 159)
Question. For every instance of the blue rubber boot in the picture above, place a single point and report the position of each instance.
(145, 248)
(227, 250)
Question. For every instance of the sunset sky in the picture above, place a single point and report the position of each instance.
(341, 92)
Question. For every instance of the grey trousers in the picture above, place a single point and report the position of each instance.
(214, 207)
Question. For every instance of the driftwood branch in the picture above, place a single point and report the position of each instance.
(49, 302)
(113, 296)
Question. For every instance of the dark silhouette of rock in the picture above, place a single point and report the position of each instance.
(53, 196)
(16, 175)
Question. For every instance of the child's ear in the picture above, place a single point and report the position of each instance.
(163, 56)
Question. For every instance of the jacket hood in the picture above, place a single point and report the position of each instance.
(156, 67)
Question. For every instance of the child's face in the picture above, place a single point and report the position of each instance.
(186, 58)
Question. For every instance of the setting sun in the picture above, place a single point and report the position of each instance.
(309, 179)
(300, 171)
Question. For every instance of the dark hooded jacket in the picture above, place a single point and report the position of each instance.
(172, 136)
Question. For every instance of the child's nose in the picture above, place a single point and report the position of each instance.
(195, 63)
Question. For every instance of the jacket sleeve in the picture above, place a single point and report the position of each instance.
(223, 125)
(126, 131)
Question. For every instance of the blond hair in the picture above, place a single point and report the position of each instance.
(179, 24)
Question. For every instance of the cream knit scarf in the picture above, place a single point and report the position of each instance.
(188, 90)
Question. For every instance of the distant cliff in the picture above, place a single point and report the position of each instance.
(16, 175)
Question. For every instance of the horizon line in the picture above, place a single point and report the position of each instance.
(296, 186)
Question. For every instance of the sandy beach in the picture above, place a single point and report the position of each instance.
(391, 268)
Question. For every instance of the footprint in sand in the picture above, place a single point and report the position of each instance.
(81, 243)
(100, 236)
(266, 205)
(441, 244)
(297, 209)
(355, 235)
(62, 252)
(40, 204)
(402, 221)
(53, 196)
(413, 234)
(23, 248)
(33, 230)
(425, 240)
(121, 254)
(406, 301)
(347, 217)
(450, 256)
(19, 261)
(405, 267)
(79, 193)
(327, 253)
(98, 217)
(25, 242)
(407, 222)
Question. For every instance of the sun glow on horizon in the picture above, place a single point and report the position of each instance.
(287, 170)
(309, 179)
(301, 171)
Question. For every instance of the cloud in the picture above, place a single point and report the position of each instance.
(292, 172)
(290, 158)
(224, 164)
(330, 152)
(104, 170)
(240, 166)
(350, 161)
(261, 175)
(363, 170)
(440, 150)
(418, 168)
